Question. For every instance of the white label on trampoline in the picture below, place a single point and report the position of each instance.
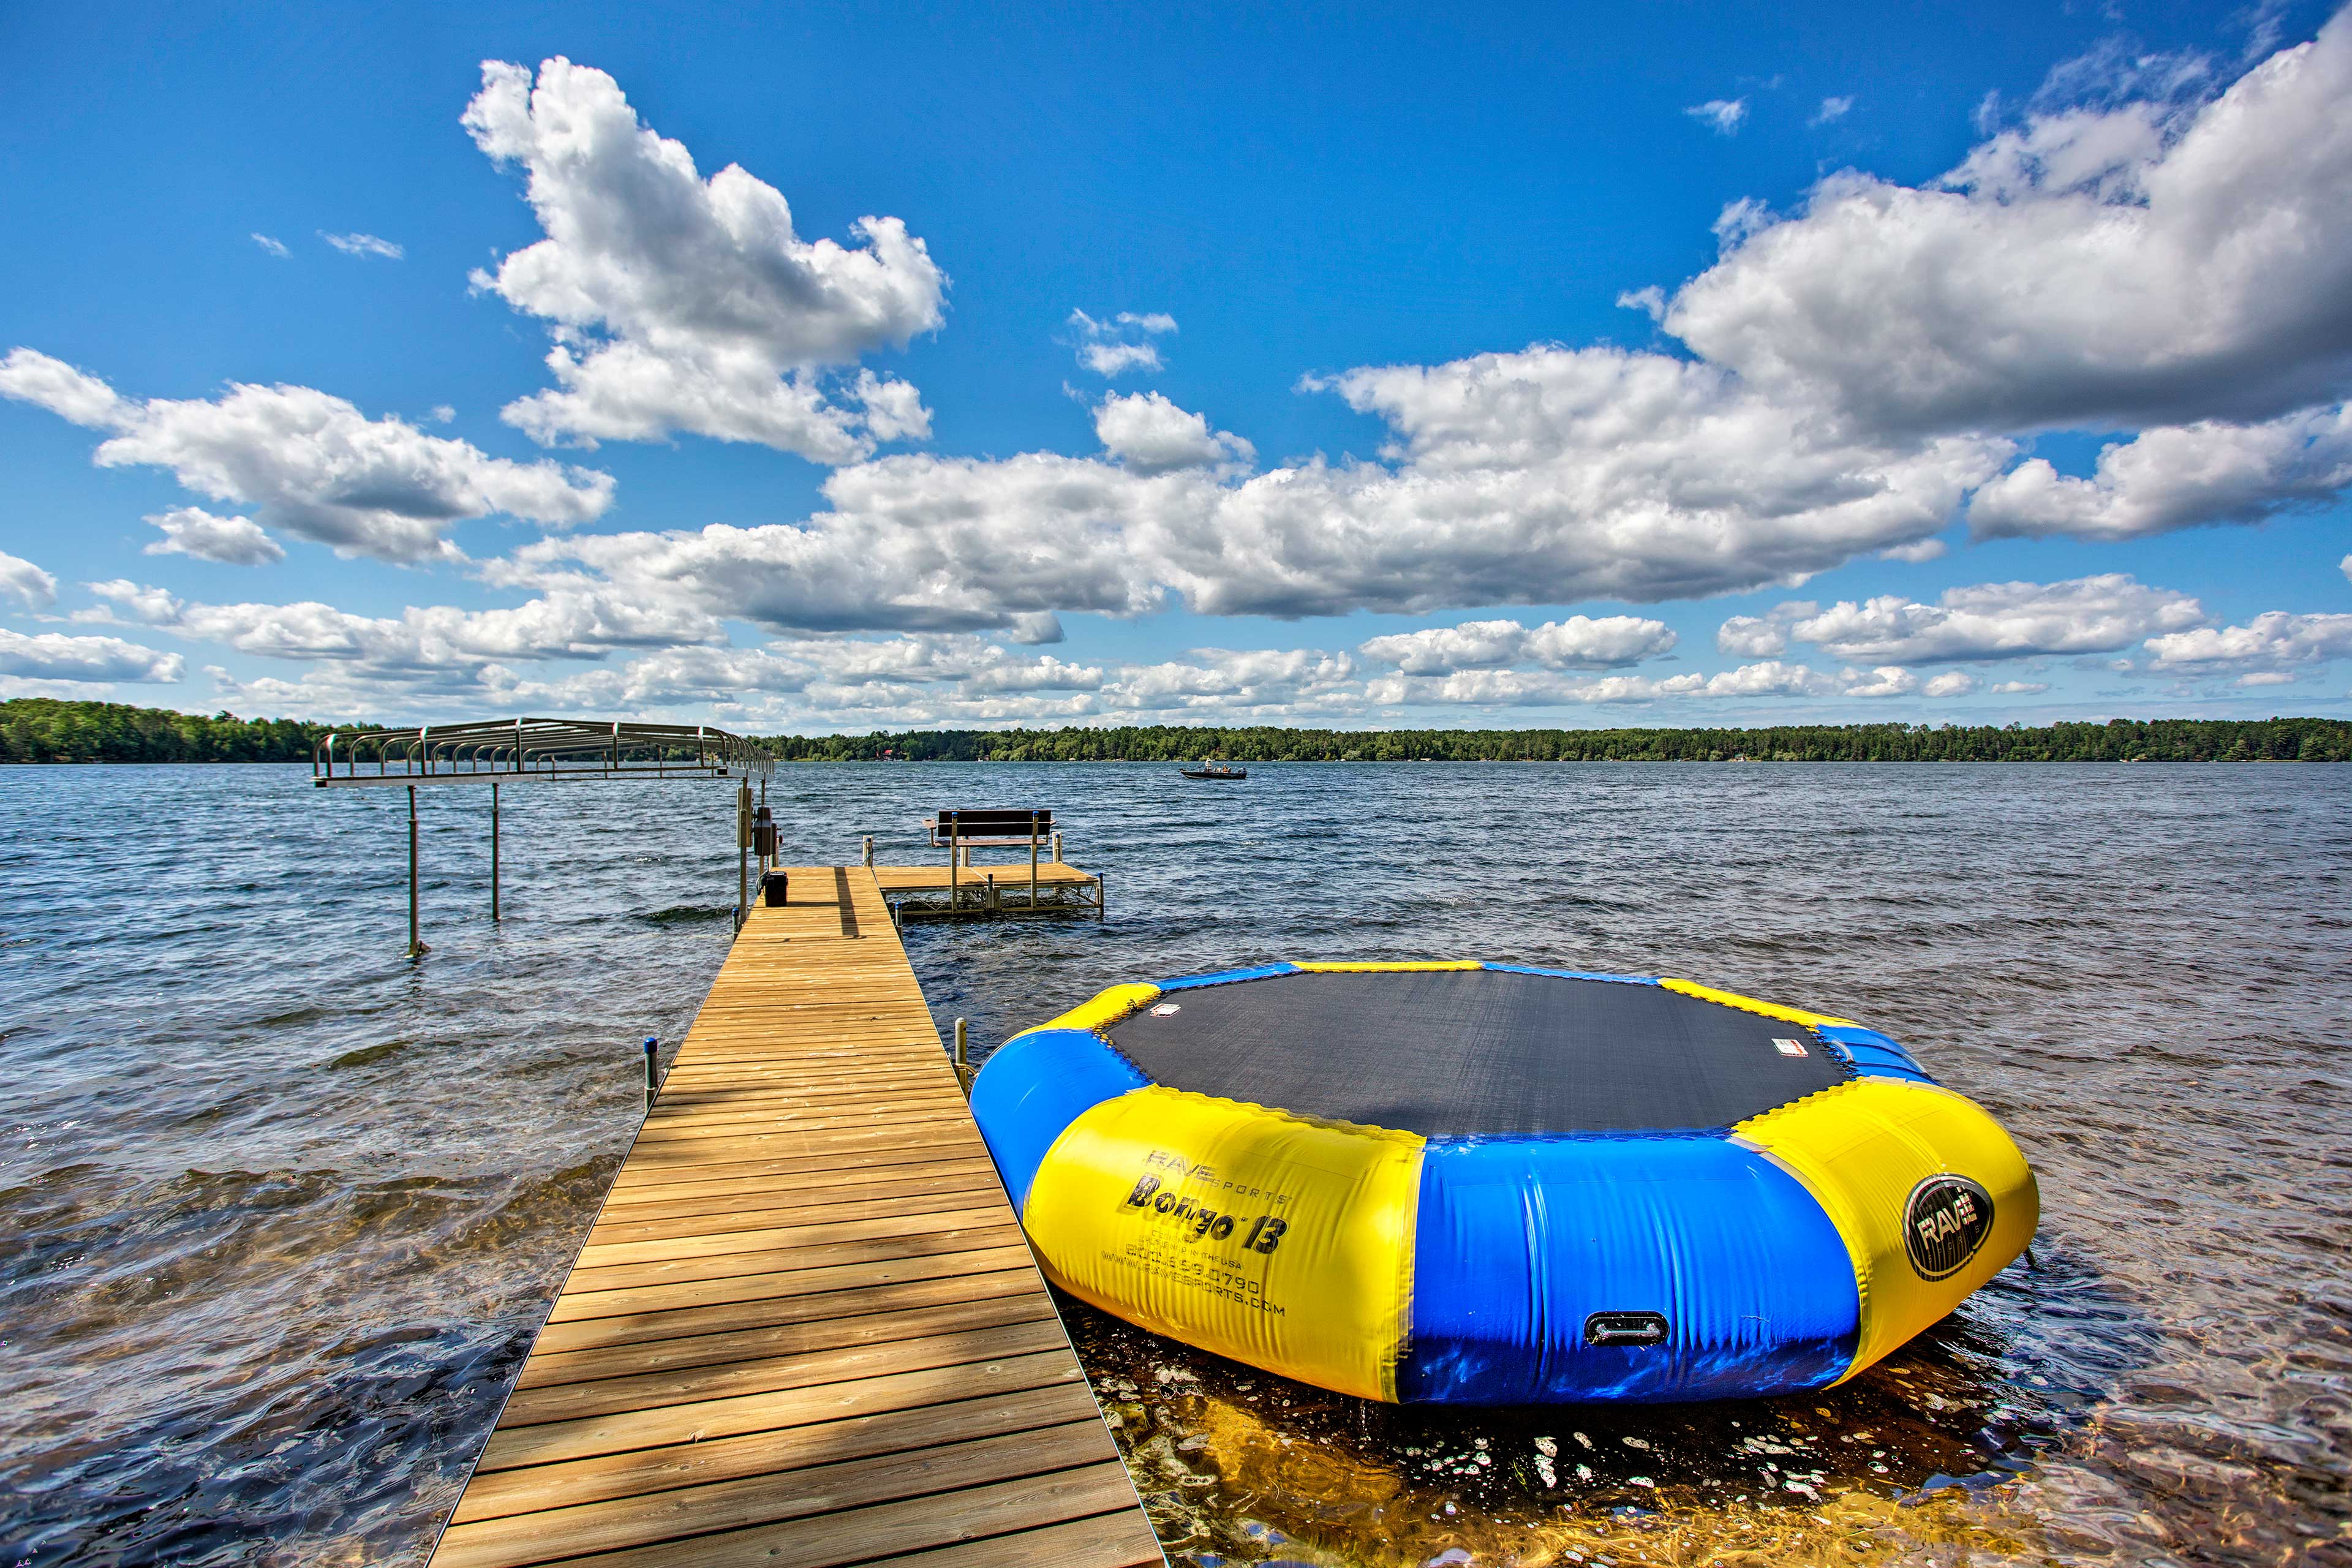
(1789, 1048)
(1166, 1010)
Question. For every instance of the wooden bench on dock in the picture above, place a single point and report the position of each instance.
(992, 827)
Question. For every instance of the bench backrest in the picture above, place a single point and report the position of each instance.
(995, 822)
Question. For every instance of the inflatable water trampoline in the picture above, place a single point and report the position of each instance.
(1488, 1183)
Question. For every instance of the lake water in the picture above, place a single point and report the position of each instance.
(279, 1212)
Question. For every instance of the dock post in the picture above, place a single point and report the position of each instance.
(869, 849)
(1033, 860)
(494, 851)
(416, 948)
(991, 892)
(1058, 848)
(1102, 895)
(653, 1081)
(743, 852)
(962, 1062)
(955, 893)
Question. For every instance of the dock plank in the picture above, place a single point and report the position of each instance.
(612, 1523)
(805, 1327)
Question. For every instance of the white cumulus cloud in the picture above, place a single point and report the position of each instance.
(1547, 689)
(1887, 681)
(565, 623)
(1111, 346)
(232, 540)
(26, 584)
(2146, 261)
(2177, 477)
(2275, 642)
(315, 466)
(1765, 636)
(1579, 642)
(684, 304)
(1549, 476)
(1150, 434)
(1721, 115)
(1999, 620)
(53, 655)
(1113, 359)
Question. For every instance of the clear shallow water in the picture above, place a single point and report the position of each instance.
(279, 1212)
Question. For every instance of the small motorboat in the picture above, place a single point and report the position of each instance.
(1214, 771)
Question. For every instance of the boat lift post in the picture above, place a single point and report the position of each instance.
(742, 853)
(416, 948)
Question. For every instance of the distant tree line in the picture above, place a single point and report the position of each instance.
(42, 729)
(2117, 740)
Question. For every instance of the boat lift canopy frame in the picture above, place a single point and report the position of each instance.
(516, 750)
(497, 749)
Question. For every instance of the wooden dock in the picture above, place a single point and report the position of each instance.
(992, 888)
(806, 1330)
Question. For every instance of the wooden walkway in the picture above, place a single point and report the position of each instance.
(806, 1330)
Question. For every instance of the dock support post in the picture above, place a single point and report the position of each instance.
(1102, 895)
(742, 853)
(494, 851)
(991, 892)
(653, 1079)
(955, 893)
(416, 948)
(962, 1062)
(869, 849)
(1032, 861)
(1058, 848)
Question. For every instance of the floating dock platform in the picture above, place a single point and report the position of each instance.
(806, 1329)
(990, 890)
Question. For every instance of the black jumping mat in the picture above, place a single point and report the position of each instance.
(1447, 1053)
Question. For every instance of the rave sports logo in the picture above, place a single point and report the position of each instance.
(1946, 1221)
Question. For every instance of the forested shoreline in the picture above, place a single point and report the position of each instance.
(2117, 740)
(46, 730)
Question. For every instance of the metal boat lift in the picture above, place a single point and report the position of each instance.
(517, 751)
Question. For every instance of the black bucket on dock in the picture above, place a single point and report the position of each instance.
(771, 889)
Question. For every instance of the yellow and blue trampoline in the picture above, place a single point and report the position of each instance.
(1489, 1183)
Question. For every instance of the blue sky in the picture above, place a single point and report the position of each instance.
(1669, 365)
